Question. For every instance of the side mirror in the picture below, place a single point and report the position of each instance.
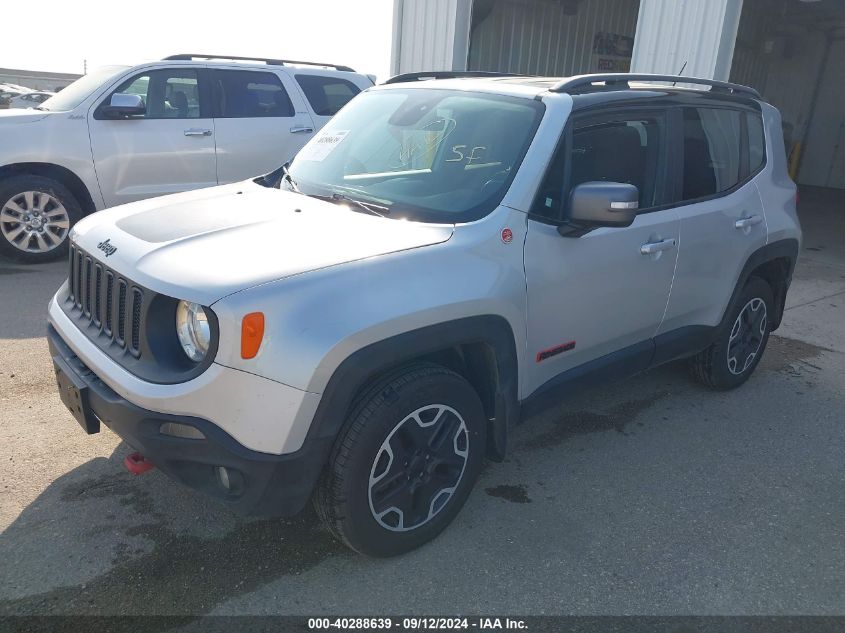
(124, 105)
(595, 204)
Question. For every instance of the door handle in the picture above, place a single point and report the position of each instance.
(656, 247)
(297, 129)
(746, 223)
(196, 131)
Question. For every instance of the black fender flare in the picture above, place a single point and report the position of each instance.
(374, 360)
(781, 249)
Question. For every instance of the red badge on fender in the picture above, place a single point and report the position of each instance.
(507, 236)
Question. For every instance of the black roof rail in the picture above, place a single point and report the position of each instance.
(266, 60)
(445, 74)
(581, 83)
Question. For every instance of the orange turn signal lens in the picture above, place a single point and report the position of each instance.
(252, 331)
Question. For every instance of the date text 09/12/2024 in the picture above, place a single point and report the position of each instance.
(416, 623)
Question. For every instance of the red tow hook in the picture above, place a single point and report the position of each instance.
(137, 464)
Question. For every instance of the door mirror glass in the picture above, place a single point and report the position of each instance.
(124, 105)
(595, 204)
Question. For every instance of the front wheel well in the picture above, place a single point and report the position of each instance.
(481, 349)
(55, 172)
(475, 362)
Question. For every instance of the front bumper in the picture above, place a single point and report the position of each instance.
(260, 483)
(261, 414)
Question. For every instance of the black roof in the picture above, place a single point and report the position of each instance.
(620, 85)
(617, 81)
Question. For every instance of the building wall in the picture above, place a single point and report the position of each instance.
(787, 51)
(549, 37)
(751, 61)
(786, 78)
(36, 80)
(429, 35)
(823, 163)
(698, 35)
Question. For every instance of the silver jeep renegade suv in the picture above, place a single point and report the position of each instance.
(364, 326)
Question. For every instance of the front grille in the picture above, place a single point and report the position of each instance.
(98, 284)
(121, 312)
(109, 303)
(92, 288)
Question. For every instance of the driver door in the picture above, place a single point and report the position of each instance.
(168, 149)
(596, 301)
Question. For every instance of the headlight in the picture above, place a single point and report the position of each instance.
(193, 330)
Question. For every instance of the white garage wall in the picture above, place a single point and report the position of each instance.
(429, 35)
(699, 32)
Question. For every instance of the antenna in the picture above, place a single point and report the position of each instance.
(680, 72)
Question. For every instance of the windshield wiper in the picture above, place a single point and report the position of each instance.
(371, 207)
(274, 179)
(288, 178)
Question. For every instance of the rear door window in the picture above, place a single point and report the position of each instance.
(241, 94)
(327, 95)
(712, 152)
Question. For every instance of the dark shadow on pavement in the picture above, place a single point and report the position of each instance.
(143, 545)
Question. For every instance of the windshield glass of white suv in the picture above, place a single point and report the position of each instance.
(433, 155)
(70, 97)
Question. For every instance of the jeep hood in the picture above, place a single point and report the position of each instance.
(204, 245)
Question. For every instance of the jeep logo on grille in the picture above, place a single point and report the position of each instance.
(107, 248)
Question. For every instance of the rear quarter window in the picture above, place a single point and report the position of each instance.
(327, 95)
(756, 142)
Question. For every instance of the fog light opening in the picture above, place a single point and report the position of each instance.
(185, 431)
(229, 479)
(223, 477)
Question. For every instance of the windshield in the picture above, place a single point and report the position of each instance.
(79, 90)
(425, 154)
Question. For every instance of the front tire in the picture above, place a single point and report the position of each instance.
(36, 215)
(405, 463)
(741, 340)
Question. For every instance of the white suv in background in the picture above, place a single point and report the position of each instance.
(123, 134)
(30, 99)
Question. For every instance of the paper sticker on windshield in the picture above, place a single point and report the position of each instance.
(323, 145)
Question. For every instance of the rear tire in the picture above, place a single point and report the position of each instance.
(405, 462)
(741, 339)
(36, 215)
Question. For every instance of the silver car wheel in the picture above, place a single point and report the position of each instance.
(418, 468)
(34, 222)
(747, 336)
